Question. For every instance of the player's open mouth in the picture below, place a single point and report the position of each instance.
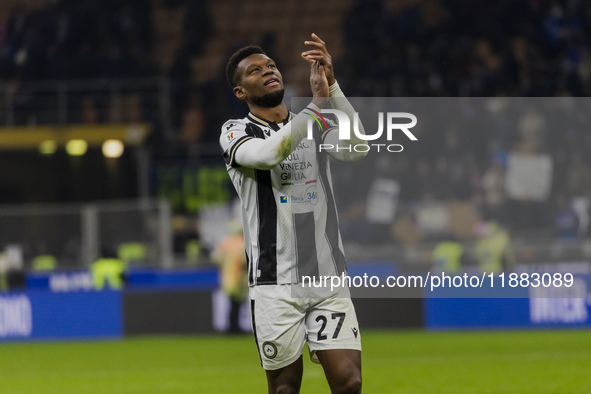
(272, 82)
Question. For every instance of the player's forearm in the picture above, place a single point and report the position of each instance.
(348, 150)
(265, 154)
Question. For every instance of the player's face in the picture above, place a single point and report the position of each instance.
(259, 77)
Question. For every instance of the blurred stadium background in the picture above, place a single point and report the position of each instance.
(110, 113)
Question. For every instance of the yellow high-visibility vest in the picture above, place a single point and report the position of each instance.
(107, 272)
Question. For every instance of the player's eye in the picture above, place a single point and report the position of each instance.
(254, 70)
(272, 66)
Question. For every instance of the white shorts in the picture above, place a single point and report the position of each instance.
(282, 324)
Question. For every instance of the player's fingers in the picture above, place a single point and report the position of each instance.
(313, 52)
(319, 68)
(318, 47)
(306, 58)
(315, 44)
(317, 39)
(314, 66)
(320, 58)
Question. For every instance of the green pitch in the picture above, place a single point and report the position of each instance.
(393, 362)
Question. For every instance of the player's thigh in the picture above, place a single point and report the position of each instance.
(278, 322)
(332, 324)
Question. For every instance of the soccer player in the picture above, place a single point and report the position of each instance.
(290, 219)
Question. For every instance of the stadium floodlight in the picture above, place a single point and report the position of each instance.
(47, 147)
(113, 148)
(76, 147)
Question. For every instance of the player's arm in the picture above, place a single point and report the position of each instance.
(338, 101)
(265, 154)
(343, 149)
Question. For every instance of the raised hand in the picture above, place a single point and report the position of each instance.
(320, 54)
(318, 83)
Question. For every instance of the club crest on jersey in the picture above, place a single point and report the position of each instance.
(270, 350)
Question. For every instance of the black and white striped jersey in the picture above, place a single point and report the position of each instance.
(289, 213)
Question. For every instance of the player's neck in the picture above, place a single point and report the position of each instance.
(275, 114)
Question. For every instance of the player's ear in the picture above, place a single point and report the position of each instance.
(239, 92)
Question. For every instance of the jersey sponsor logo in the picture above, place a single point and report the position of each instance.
(355, 331)
(230, 126)
(302, 145)
(292, 157)
(270, 350)
(293, 167)
(310, 196)
(297, 166)
(292, 176)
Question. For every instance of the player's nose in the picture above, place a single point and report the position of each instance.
(268, 71)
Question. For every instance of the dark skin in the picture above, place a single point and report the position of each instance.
(342, 368)
(258, 76)
(320, 54)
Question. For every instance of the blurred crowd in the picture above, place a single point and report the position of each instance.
(433, 48)
(392, 48)
(77, 39)
(475, 48)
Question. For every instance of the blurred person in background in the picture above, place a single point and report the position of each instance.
(448, 256)
(12, 270)
(108, 272)
(284, 241)
(493, 250)
(231, 256)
